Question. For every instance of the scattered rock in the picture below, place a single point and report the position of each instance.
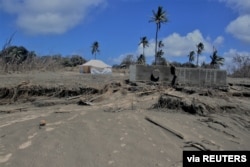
(246, 94)
(42, 123)
(84, 103)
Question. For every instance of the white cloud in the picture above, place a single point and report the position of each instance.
(49, 16)
(149, 51)
(241, 6)
(178, 46)
(240, 28)
(218, 41)
(119, 59)
(229, 64)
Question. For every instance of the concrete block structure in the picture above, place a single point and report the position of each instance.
(185, 76)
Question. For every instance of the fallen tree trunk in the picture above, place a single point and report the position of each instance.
(177, 134)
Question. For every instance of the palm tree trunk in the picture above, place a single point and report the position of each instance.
(143, 51)
(197, 60)
(156, 42)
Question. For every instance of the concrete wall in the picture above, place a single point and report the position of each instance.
(187, 76)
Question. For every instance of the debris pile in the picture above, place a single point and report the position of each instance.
(177, 103)
(26, 91)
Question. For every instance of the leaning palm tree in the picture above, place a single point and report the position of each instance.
(191, 56)
(144, 43)
(200, 48)
(216, 60)
(95, 48)
(158, 17)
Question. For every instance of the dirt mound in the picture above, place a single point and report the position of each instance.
(200, 104)
(112, 87)
(176, 103)
(25, 91)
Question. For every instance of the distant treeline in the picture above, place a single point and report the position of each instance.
(18, 58)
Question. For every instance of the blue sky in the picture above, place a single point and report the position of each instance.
(69, 27)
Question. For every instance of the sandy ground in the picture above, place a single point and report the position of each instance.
(118, 129)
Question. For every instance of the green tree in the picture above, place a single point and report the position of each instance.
(191, 56)
(200, 48)
(95, 48)
(144, 43)
(216, 60)
(158, 18)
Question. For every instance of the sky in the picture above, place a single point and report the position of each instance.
(69, 27)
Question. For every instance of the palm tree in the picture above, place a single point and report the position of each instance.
(160, 53)
(141, 60)
(200, 48)
(216, 60)
(160, 44)
(191, 56)
(158, 17)
(95, 48)
(15, 54)
(144, 43)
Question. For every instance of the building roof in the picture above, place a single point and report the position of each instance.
(97, 64)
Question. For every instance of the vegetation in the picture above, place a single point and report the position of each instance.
(127, 61)
(141, 60)
(144, 43)
(191, 57)
(158, 18)
(95, 48)
(216, 60)
(200, 48)
(14, 54)
(241, 66)
(73, 61)
(18, 58)
(160, 60)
